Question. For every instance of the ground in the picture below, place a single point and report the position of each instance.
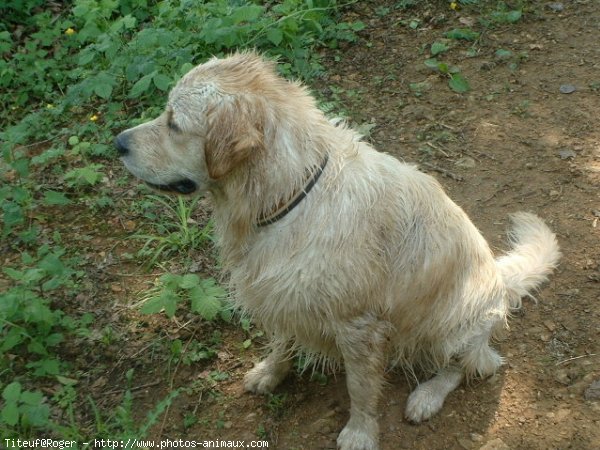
(517, 140)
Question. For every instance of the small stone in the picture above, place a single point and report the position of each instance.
(567, 153)
(556, 6)
(550, 325)
(545, 336)
(593, 391)
(567, 89)
(554, 193)
(562, 414)
(476, 437)
(465, 443)
(466, 163)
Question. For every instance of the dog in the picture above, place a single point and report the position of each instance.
(338, 251)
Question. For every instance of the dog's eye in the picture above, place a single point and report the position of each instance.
(173, 126)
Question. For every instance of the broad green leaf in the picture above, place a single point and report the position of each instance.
(35, 346)
(15, 274)
(213, 289)
(503, 54)
(170, 304)
(141, 85)
(205, 305)
(36, 415)
(247, 13)
(185, 68)
(275, 36)
(438, 47)
(86, 56)
(465, 34)
(458, 83)
(432, 63)
(45, 367)
(506, 16)
(85, 175)
(13, 338)
(189, 281)
(357, 26)
(164, 301)
(10, 414)
(54, 339)
(12, 392)
(170, 281)
(55, 198)
(103, 84)
(32, 398)
(103, 90)
(161, 81)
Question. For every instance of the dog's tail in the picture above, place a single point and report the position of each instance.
(533, 257)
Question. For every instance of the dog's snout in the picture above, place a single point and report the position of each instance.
(121, 143)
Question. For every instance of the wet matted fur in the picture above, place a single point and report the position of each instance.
(375, 265)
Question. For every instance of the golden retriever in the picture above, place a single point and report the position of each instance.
(338, 251)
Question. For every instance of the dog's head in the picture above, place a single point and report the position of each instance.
(212, 124)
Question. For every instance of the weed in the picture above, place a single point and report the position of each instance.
(522, 109)
(177, 231)
(456, 81)
(192, 352)
(465, 34)
(277, 404)
(23, 411)
(204, 295)
(28, 321)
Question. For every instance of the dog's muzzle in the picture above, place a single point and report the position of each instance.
(183, 186)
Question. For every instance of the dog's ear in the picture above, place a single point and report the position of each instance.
(234, 134)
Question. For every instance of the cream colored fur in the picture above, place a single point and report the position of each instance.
(375, 266)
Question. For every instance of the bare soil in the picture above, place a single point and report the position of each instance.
(513, 142)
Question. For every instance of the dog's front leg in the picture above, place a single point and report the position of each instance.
(271, 371)
(362, 343)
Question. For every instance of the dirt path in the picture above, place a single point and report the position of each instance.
(517, 143)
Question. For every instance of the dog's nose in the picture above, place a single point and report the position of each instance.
(121, 144)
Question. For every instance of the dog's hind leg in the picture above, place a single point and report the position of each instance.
(362, 343)
(428, 398)
(479, 359)
(271, 371)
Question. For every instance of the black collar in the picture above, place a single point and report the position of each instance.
(296, 199)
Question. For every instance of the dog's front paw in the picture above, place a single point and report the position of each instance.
(423, 403)
(262, 379)
(356, 438)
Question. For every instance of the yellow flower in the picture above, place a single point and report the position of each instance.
(49, 106)
(69, 31)
(94, 118)
(454, 6)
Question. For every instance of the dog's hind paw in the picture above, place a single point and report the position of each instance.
(262, 379)
(422, 404)
(428, 398)
(352, 438)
